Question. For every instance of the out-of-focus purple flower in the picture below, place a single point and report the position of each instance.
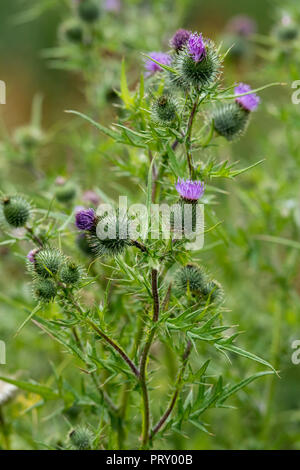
(160, 57)
(85, 219)
(248, 102)
(60, 181)
(91, 196)
(31, 255)
(286, 20)
(196, 47)
(180, 39)
(190, 190)
(112, 5)
(242, 25)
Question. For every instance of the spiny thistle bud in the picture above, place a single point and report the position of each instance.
(85, 219)
(91, 197)
(70, 273)
(287, 30)
(66, 192)
(16, 210)
(198, 64)
(231, 120)
(28, 137)
(164, 110)
(88, 11)
(81, 438)
(72, 31)
(47, 262)
(190, 278)
(111, 236)
(213, 291)
(180, 39)
(151, 67)
(44, 290)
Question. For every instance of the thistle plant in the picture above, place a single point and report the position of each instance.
(156, 293)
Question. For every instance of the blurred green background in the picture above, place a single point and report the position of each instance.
(257, 299)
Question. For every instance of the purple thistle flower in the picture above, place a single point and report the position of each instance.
(160, 57)
(196, 47)
(242, 25)
(85, 219)
(248, 102)
(91, 196)
(31, 255)
(180, 39)
(112, 5)
(190, 190)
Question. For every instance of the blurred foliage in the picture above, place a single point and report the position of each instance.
(253, 252)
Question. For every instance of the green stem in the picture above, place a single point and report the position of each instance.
(144, 358)
(178, 386)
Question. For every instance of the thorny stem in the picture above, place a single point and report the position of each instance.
(143, 364)
(116, 347)
(178, 386)
(188, 137)
(34, 238)
(139, 245)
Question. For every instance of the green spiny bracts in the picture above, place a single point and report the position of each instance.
(287, 33)
(213, 291)
(190, 278)
(66, 193)
(16, 210)
(44, 290)
(72, 31)
(47, 262)
(81, 438)
(70, 273)
(230, 120)
(28, 137)
(88, 11)
(197, 74)
(164, 110)
(110, 236)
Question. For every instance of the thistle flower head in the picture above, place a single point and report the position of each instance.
(180, 38)
(112, 5)
(85, 219)
(31, 255)
(196, 47)
(190, 190)
(248, 102)
(161, 57)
